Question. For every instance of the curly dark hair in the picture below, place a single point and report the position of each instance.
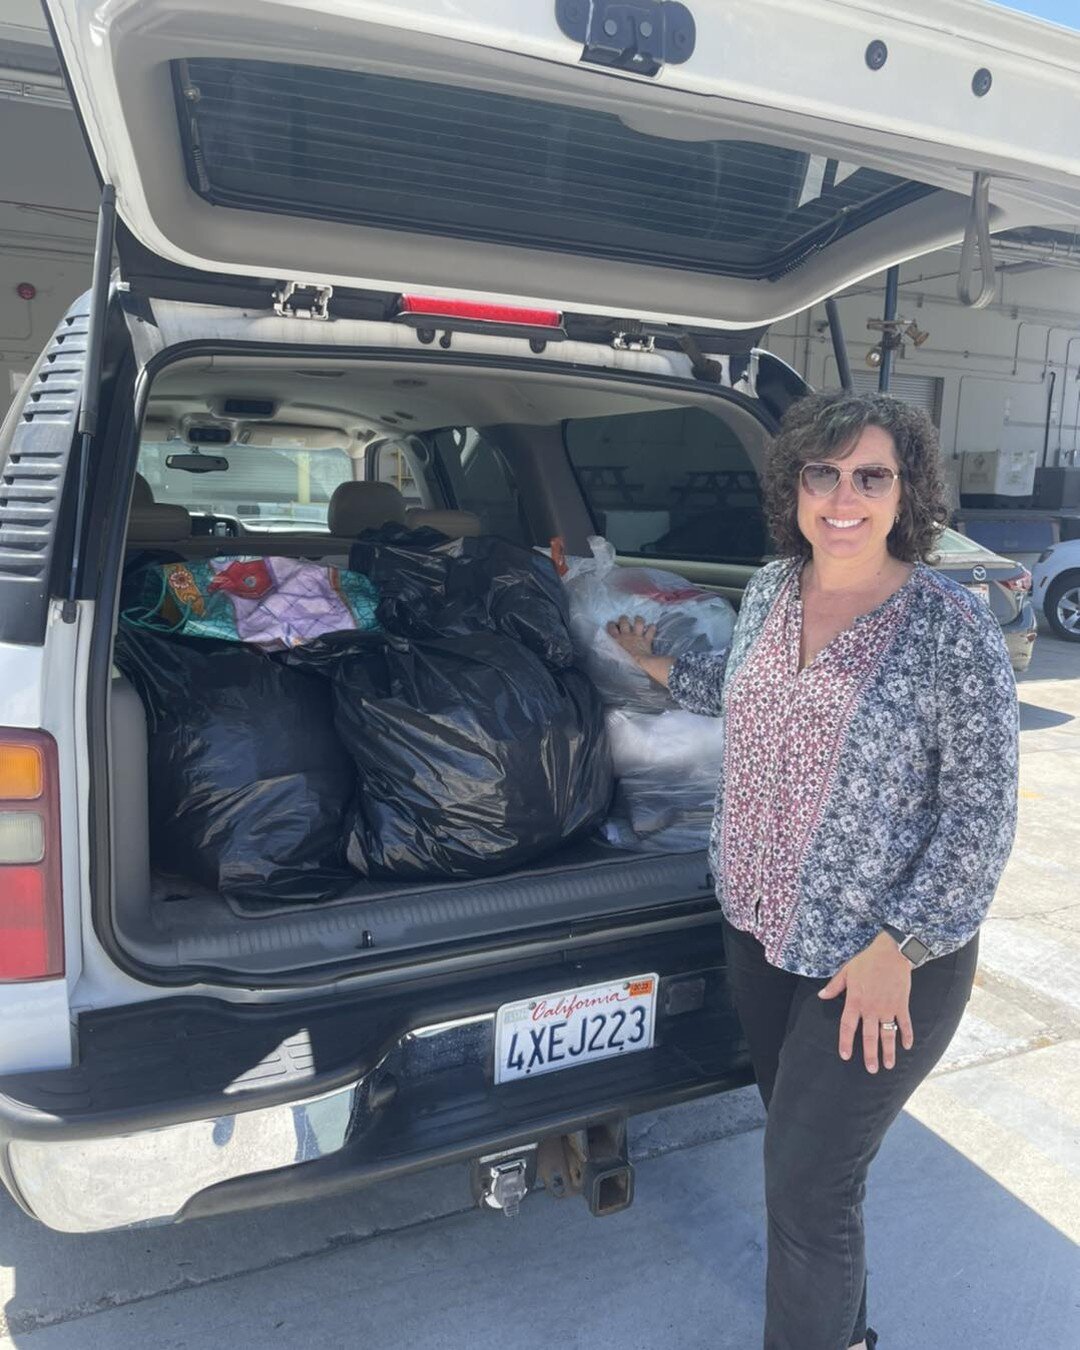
(827, 426)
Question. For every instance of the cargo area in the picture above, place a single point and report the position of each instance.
(247, 465)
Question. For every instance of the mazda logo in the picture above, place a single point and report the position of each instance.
(978, 573)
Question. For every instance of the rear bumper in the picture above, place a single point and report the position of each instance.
(309, 1103)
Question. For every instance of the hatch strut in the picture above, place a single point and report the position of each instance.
(91, 387)
(977, 231)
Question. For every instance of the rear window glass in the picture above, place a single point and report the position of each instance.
(675, 483)
(381, 151)
(267, 489)
(951, 543)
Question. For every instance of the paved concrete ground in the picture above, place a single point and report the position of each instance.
(974, 1214)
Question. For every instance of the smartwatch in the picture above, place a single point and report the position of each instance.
(914, 948)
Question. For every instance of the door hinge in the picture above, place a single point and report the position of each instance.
(297, 300)
(636, 35)
(633, 342)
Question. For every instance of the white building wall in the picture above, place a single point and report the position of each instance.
(48, 200)
(1003, 368)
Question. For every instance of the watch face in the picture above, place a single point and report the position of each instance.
(915, 950)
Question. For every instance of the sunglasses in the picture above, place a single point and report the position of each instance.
(869, 480)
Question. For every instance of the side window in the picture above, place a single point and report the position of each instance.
(394, 464)
(482, 482)
(676, 483)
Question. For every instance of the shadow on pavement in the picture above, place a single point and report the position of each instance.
(1034, 718)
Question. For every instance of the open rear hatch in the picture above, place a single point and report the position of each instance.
(699, 164)
(704, 166)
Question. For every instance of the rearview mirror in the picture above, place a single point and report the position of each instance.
(196, 463)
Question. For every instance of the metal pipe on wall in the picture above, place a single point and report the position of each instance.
(1049, 410)
(892, 286)
(839, 345)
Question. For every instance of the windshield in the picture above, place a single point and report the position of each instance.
(269, 489)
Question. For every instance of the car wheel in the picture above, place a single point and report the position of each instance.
(1062, 606)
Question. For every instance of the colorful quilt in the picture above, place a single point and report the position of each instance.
(271, 603)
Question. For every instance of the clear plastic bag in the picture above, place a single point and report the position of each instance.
(655, 814)
(671, 742)
(667, 766)
(687, 618)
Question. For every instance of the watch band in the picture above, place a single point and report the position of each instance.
(911, 945)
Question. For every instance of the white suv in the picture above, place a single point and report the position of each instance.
(515, 261)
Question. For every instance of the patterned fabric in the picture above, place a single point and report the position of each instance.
(876, 786)
(272, 603)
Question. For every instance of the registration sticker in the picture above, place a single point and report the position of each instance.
(574, 1026)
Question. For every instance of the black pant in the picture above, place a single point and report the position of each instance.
(826, 1120)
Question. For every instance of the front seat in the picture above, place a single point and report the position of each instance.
(151, 523)
(356, 507)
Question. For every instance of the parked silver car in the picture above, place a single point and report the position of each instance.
(1004, 585)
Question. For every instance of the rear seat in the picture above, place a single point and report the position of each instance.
(455, 524)
(354, 508)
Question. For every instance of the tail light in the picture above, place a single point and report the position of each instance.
(31, 912)
(1018, 583)
(417, 308)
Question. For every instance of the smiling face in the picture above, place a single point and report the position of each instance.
(845, 524)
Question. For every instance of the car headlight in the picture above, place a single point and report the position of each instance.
(1043, 556)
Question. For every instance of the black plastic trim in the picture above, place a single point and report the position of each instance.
(185, 1058)
(33, 478)
(150, 276)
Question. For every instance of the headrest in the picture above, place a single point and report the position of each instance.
(158, 523)
(356, 507)
(141, 495)
(454, 524)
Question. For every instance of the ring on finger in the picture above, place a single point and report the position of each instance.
(890, 1026)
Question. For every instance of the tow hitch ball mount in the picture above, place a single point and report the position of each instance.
(591, 1162)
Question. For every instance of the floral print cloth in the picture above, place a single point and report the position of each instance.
(272, 603)
(876, 786)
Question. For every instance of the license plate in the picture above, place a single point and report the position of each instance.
(981, 589)
(574, 1026)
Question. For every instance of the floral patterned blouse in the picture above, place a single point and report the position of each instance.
(876, 786)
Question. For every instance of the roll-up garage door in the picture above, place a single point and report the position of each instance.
(924, 391)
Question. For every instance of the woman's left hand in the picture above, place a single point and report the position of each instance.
(878, 986)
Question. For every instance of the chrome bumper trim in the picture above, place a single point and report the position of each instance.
(146, 1178)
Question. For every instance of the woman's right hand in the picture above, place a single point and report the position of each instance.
(634, 636)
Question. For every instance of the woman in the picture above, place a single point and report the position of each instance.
(866, 811)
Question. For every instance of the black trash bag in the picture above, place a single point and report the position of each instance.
(435, 587)
(250, 788)
(473, 756)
